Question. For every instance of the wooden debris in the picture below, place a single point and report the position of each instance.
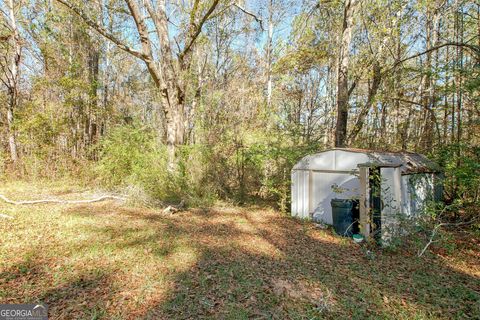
(60, 201)
(170, 210)
(174, 209)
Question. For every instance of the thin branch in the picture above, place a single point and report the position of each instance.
(218, 13)
(100, 29)
(177, 44)
(4, 82)
(475, 49)
(4, 13)
(435, 231)
(260, 21)
(352, 87)
(411, 102)
(153, 14)
(430, 241)
(7, 25)
(438, 226)
(198, 30)
(7, 72)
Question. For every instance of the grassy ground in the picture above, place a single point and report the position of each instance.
(107, 260)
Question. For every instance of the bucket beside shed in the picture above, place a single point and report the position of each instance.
(345, 216)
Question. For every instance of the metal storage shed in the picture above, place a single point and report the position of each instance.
(408, 181)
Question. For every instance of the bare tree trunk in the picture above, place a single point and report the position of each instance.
(197, 100)
(11, 131)
(446, 108)
(478, 30)
(269, 54)
(426, 100)
(106, 15)
(372, 91)
(13, 80)
(342, 75)
(398, 89)
(93, 70)
(428, 95)
(458, 76)
(171, 137)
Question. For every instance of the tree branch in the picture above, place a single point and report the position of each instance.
(153, 14)
(145, 41)
(198, 30)
(352, 87)
(141, 28)
(435, 231)
(22, 202)
(100, 29)
(260, 21)
(475, 49)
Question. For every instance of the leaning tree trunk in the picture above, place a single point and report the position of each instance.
(342, 75)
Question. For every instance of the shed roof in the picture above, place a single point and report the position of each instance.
(409, 162)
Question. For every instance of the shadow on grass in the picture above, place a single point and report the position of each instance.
(80, 293)
(86, 295)
(313, 275)
(237, 264)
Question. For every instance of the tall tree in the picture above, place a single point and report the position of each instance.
(10, 65)
(167, 69)
(269, 53)
(342, 74)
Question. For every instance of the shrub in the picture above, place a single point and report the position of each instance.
(132, 158)
(462, 172)
(240, 168)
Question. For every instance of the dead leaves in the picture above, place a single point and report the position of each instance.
(136, 262)
(301, 291)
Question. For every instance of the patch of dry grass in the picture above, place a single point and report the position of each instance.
(108, 261)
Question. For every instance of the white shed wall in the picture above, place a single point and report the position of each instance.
(417, 190)
(333, 168)
(314, 176)
(391, 195)
(325, 186)
(328, 186)
(300, 193)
